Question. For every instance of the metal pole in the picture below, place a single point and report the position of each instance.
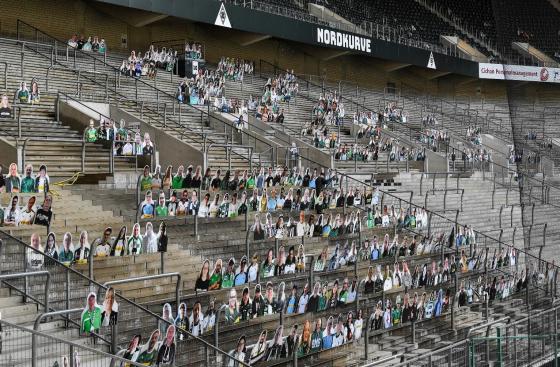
(247, 245)
(366, 340)
(83, 155)
(345, 193)
(216, 326)
(196, 225)
(19, 122)
(114, 337)
(22, 57)
(90, 264)
(413, 331)
(25, 281)
(529, 335)
(296, 346)
(555, 337)
(66, 322)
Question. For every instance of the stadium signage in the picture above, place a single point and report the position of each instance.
(345, 40)
(519, 73)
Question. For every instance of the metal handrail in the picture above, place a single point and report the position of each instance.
(230, 147)
(56, 41)
(116, 70)
(43, 316)
(29, 275)
(5, 74)
(344, 176)
(178, 285)
(395, 122)
(117, 95)
(68, 97)
(487, 325)
(272, 161)
(72, 345)
(124, 299)
(445, 191)
(465, 343)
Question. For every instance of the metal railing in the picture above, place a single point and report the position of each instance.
(445, 191)
(229, 151)
(408, 130)
(70, 289)
(538, 330)
(5, 64)
(4, 277)
(487, 238)
(48, 349)
(178, 283)
(116, 95)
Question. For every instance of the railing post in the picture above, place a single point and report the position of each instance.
(66, 322)
(33, 350)
(413, 331)
(25, 280)
(180, 113)
(366, 340)
(22, 67)
(296, 346)
(453, 300)
(196, 225)
(114, 337)
(528, 333)
(83, 155)
(72, 364)
(216, 325)
(19, 122)
(90, 265)
(555, 337)
(346, 194)
(78, 83)
(165, 115)
(247, 250)
(111, 158)
(500, 216)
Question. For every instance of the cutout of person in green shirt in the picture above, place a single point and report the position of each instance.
(161, 208)
(216, 277)
(28, 182)
(91, 316)
(91, 132)
(146, 179)
(148, 352)
(229, 275)
(177, 181)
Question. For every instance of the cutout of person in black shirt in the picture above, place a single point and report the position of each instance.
(44, 213)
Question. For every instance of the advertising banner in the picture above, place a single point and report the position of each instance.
(519, 72)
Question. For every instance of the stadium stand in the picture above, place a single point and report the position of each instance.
(288, 219)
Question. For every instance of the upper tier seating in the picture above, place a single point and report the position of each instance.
(476, 230)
